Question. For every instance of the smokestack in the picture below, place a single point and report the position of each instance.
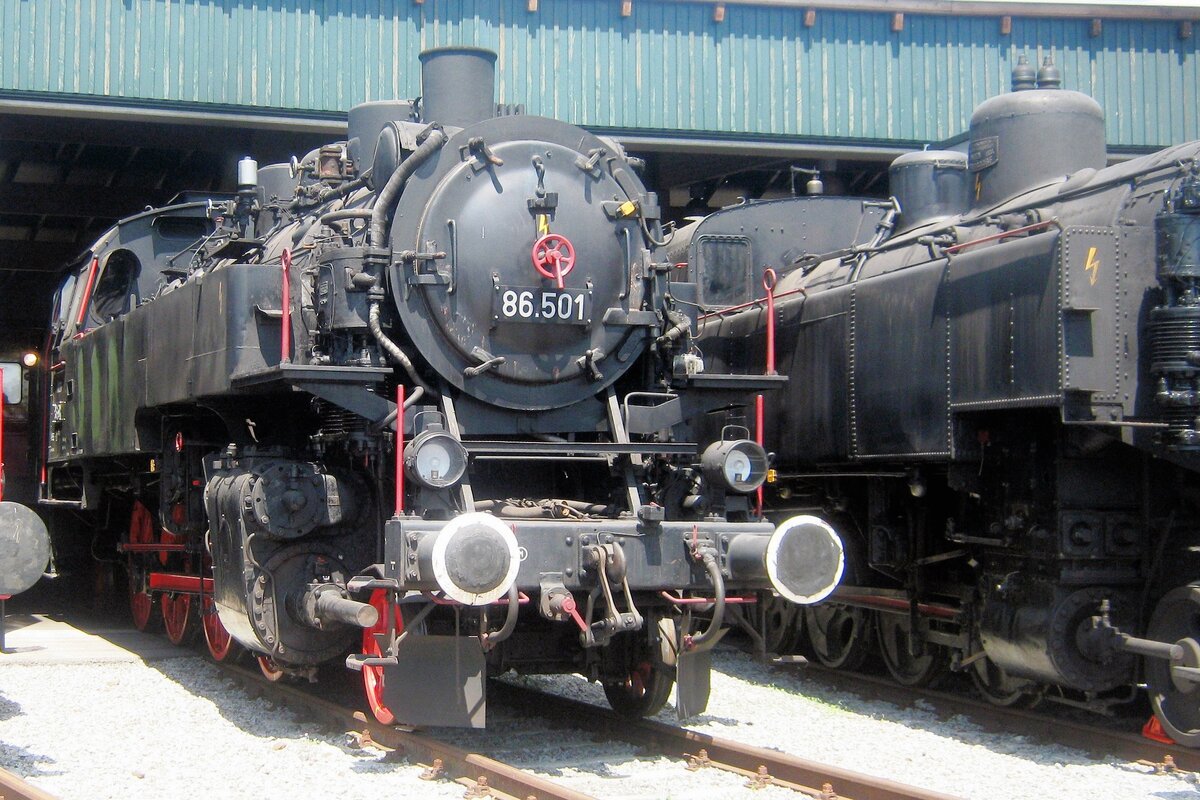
(458, 85)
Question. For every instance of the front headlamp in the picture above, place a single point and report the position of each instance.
(738, 465)
(435, 459)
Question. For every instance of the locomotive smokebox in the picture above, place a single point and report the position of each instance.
(474, 559)
(458, 85)
(803, 559)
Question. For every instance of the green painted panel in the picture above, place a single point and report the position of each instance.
(668, 66)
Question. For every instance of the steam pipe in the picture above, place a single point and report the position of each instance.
(346, 188)
(490, 640)
(411, 399)
(377, 233)
(346, 213)
(680, 324)
(385, 205)
(392, 348)
(718, 614)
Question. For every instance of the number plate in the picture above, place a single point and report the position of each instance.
(535, 304)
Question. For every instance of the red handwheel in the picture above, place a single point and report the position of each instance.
(554, 257)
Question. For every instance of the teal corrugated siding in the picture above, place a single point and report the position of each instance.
(668, 66)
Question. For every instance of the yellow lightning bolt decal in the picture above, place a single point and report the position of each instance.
(1092, 266)
(543, 225)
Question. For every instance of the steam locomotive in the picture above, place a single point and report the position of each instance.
(24, 540)
(994, 398)
(425, 398)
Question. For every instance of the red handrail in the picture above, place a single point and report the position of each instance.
(286, 335)
(87, 291)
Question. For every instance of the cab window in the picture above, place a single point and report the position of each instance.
(724, 270)
(116, 290)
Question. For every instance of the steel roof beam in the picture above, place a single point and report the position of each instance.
(20, 255)
(70, 200)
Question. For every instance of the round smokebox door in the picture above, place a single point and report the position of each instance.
(518, 258)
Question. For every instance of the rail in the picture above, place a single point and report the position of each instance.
(1123, 745)
(15, 788)
(480, 774)
(762, 766)
(488, 777)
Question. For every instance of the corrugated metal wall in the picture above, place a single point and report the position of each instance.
(668, 66)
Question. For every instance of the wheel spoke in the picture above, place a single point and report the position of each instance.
(896, 646)
(837, 634)
(780, 621)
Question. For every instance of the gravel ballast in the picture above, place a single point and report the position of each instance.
(173, 727)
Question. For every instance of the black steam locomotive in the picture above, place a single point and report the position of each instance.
(994, 398)
(426, 394)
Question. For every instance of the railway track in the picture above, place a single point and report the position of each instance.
(761, 767)
(483, 776)
(1096, 740)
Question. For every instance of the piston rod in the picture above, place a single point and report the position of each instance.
(325, 605)
(1148, 648)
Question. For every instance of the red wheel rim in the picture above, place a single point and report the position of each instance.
(373, 676)
(220, 643)
(141, 606)
(176, 612)
(270, 669)
(141, 531)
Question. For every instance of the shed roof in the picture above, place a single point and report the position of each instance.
(869, 72)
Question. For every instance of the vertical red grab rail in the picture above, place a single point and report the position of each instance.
(768, 282)
(285, 344)
(87, 292)
(400, 450)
